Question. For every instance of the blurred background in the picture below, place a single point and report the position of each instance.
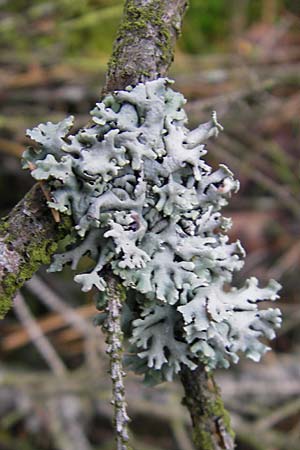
(239, 57)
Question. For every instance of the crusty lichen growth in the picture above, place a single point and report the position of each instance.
(146, 205)
(115, 297)
(142, 20)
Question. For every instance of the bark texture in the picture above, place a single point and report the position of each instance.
(210, 420)
(144, 47)
(28, 237)
(112, 327)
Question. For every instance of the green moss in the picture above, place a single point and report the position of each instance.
(36, 254)
(210, 417)
(4, 225)
(65, 225)
(218, 410)
(122, 292)
(5, 304)
(202, 439)
(135, 22)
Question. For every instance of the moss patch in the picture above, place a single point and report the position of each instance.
(202, 439)
(35, 254)
(137, 21)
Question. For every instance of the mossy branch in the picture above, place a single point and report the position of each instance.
(144, 47)
(28, 237)
(210, 420)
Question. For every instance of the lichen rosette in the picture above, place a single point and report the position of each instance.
(146, 205)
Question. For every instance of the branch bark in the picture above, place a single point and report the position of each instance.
(143, 50)
(28, 237)
(144, 47)
(210, 420)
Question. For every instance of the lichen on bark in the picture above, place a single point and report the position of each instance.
(116, 295)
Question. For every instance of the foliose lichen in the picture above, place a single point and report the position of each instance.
(146, 205)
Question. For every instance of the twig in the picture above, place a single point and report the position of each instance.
(11, 147)
(286, 262)
(38, 338)
(53, 301)
(46, 295)
(283, 412)
(20, 337)
(266, 182)
(67, 429)
(54, 212)
(112, 327)
(211, 422)
(66, 423)
(180, 433)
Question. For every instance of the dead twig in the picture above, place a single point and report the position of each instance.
(38, 338)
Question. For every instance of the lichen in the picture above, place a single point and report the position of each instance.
(146, 206)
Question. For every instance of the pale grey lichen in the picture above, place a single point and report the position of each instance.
(146, 205)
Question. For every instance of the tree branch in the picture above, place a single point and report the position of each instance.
(28, 237)
(144, 47)
(143, 51)
(210, 420)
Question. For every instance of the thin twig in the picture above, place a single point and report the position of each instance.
(283, 412)
(19, 337)
(54, 212)
(38, 338)
(46, 295)
(53, 301)
(114, 341)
